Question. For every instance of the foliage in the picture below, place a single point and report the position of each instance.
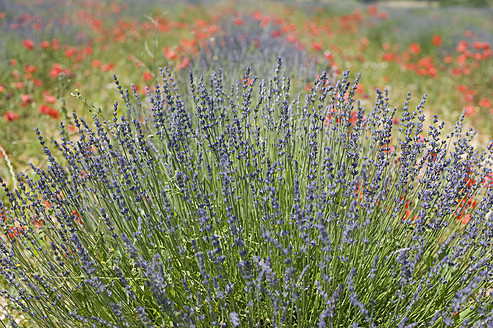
(254, 208)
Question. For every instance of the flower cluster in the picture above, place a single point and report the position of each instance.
(257, 41)
(248, 206)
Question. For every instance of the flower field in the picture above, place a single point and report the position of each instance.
(242, 165)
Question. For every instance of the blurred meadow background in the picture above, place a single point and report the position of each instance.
(50, 48)
(58, 57)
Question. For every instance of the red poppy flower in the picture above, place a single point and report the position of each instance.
(45, 109)
(77, 216)
(469, 110)
(185, 62)
(415, 48)
(485, 103)
(28, 44)
(55, 44)
(11, 116)
(107, 67)
(170, 54)
(316, 46)
(462, 46)
(30, 69)
(26, 99)
(70, 52)
(437, 40)
(49, 98)
(56, 70)
(147, 76)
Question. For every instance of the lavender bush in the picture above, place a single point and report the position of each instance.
(249, 207)
(249, 42)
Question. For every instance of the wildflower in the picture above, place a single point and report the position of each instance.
(469, 110)
(462, 46)
(55, 44)
(45, 109)
(26, 99)
(28, 44)
(485, 103)
(11, 116)
(316, 46)
(107, 67)
(437, 40)
(56, 70)
(147, 76)
(70, 52)
(233, 317)
(45, 44)
(170, 54)
(49, 98)
(415, 48)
